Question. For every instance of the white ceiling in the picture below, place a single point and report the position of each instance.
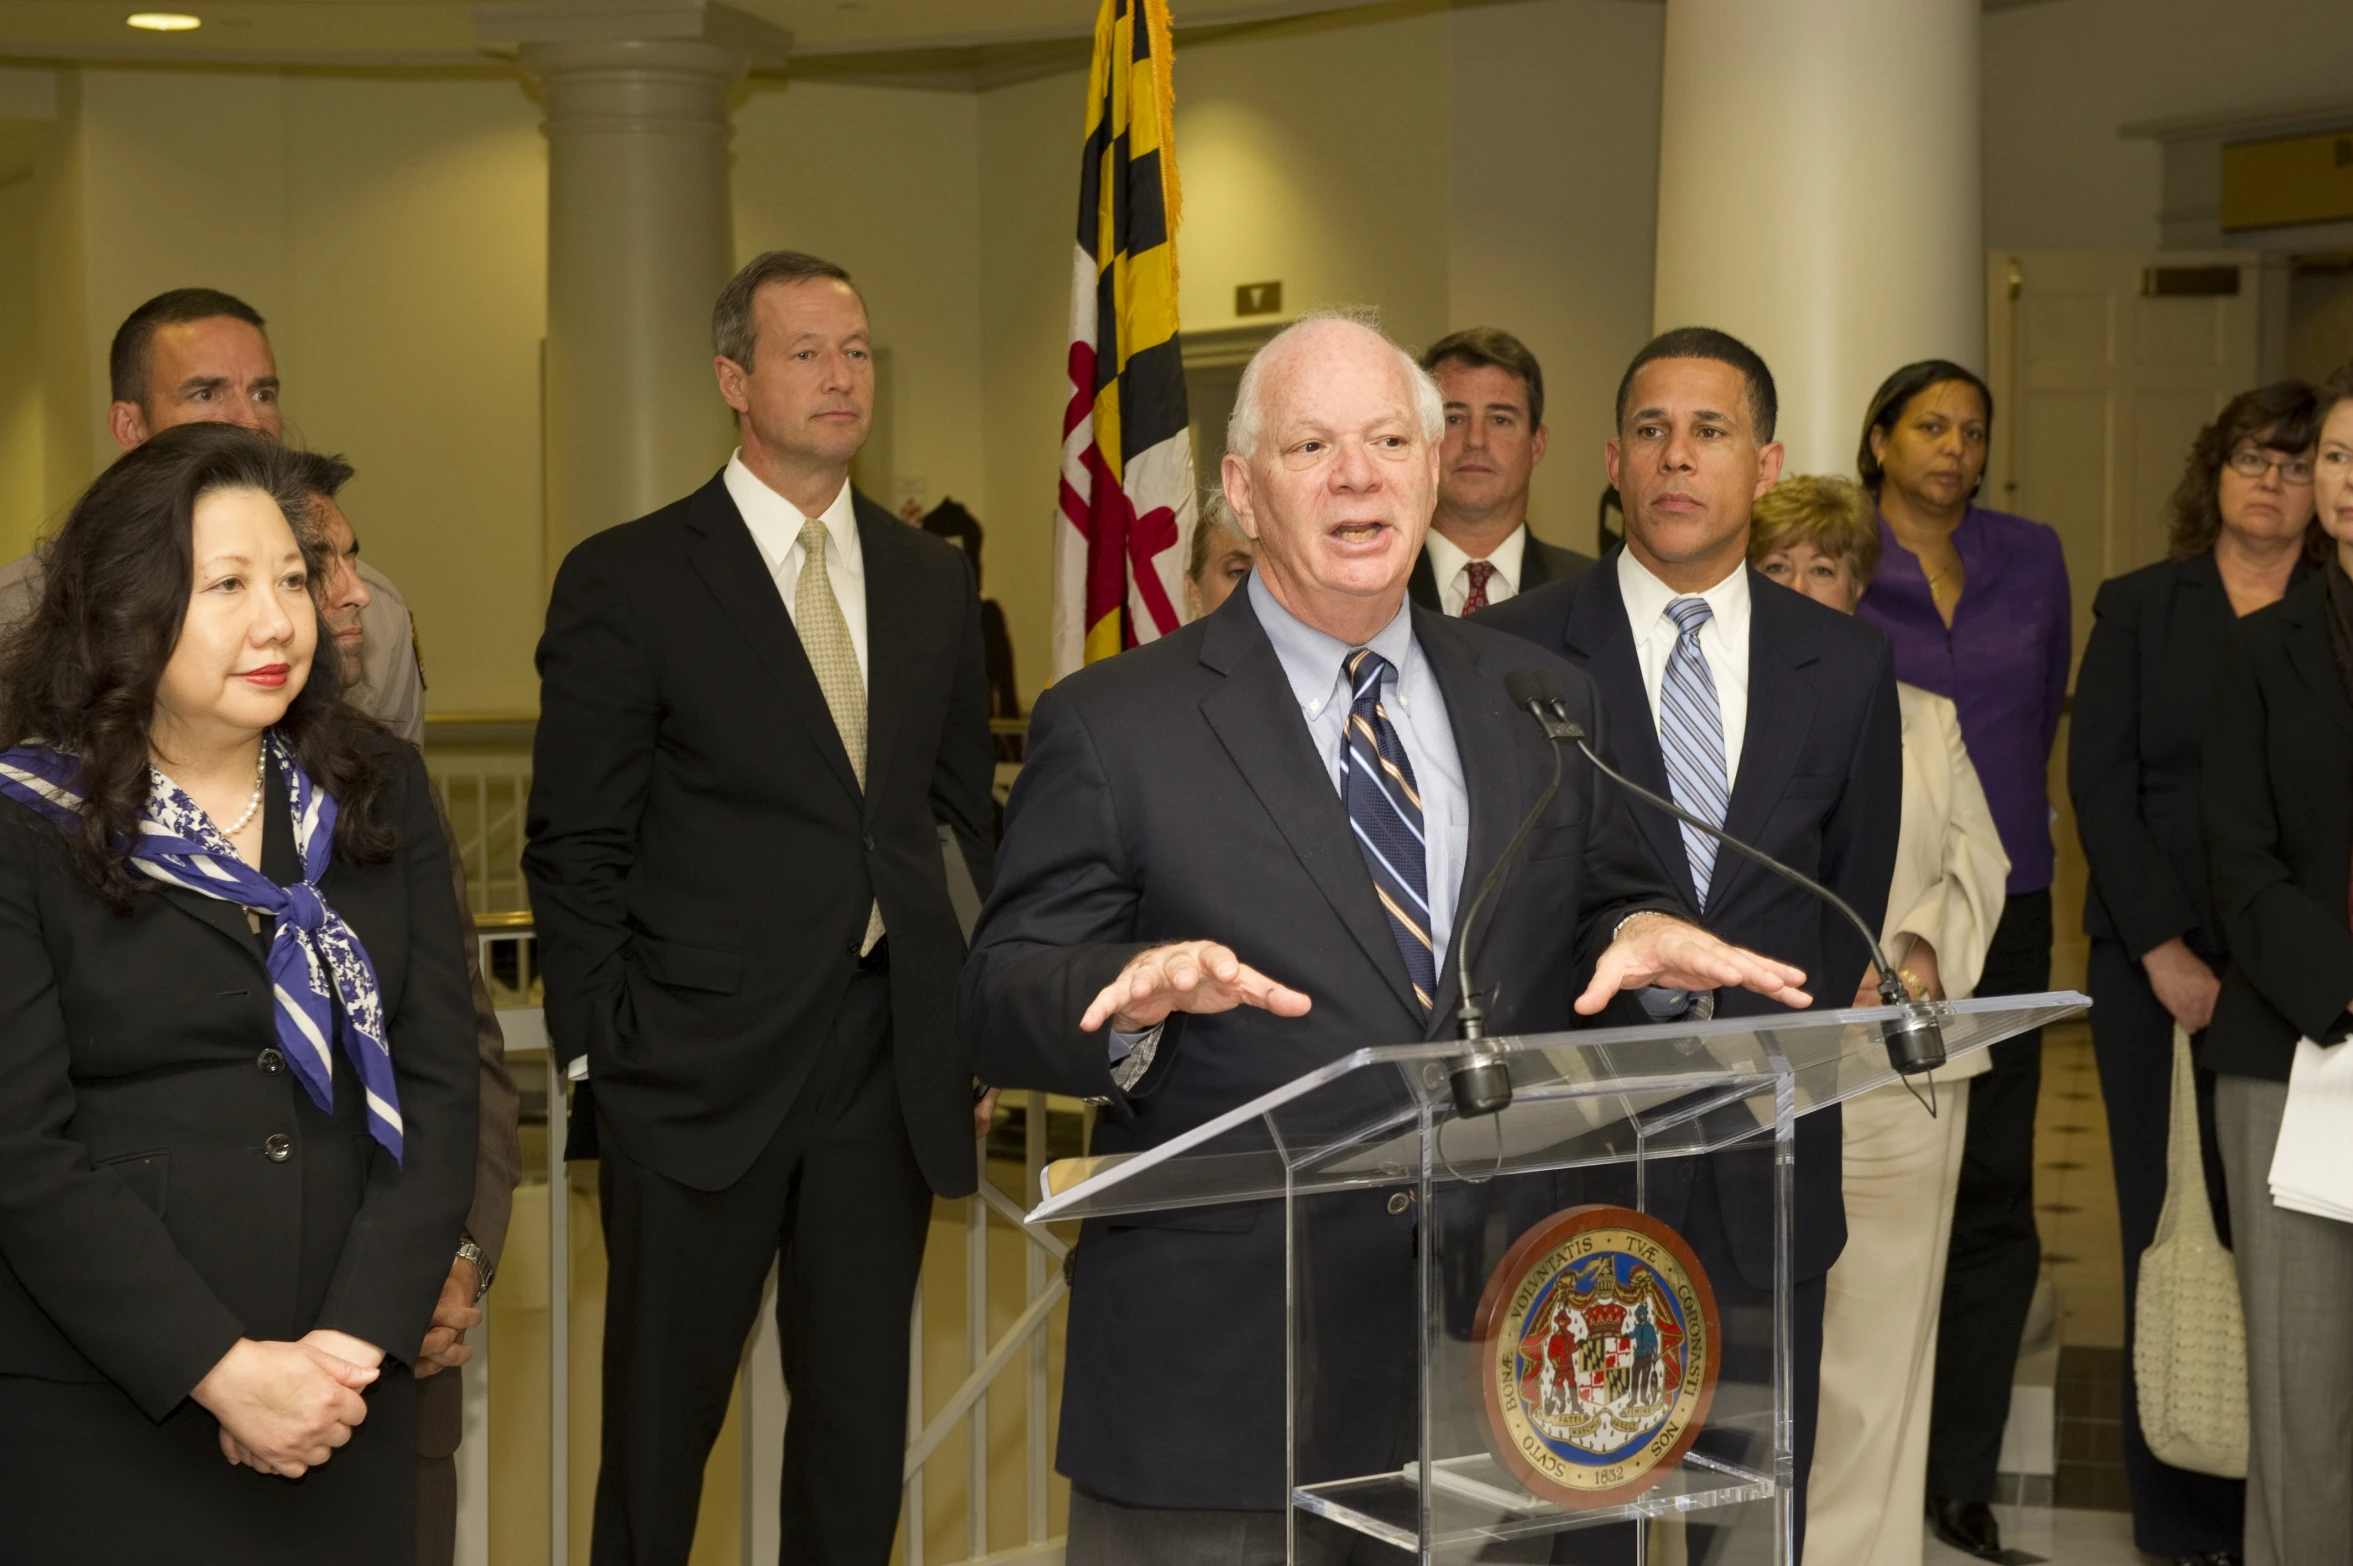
(899, 35)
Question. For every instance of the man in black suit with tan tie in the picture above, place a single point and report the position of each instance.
(1766, 714)
(757, 707)
(1481, 550)
(1236, 855)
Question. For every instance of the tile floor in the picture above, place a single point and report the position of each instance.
(2064, 1536)
(2075, 1208)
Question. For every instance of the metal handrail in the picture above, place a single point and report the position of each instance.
(1044, 1290)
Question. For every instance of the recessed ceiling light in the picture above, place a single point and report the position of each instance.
(164, 21)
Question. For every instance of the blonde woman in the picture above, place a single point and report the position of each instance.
(1820, 537)
(1220, 559)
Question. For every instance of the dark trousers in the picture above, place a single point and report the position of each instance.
(837, 1195)
(1995, 1253)
(2174, 1511)
(441, 1420)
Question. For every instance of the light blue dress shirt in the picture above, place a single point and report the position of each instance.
(1314, 664)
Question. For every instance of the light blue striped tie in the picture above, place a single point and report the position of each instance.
(1691, 734)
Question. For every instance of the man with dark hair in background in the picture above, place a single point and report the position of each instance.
(1774, 719)
(200, 356)
(197, 356)
(757, 708)
(1480, 550)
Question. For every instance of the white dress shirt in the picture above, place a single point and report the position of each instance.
(1452, 568)
(776, 528)
(1723, 642)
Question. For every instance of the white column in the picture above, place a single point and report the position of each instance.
(639, 242)
(1820, 196)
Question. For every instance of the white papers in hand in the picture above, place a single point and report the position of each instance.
(2312, 1168)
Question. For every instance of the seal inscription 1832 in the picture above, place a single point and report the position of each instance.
(1595, 1350)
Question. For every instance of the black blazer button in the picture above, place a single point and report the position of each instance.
(269, 1062)
(278, 1148)
(869, 845)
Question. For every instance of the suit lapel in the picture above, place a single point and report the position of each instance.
(724, 556)
(891, 640)
(281, 861)
(1780, 716)
(2315, 659)
(228, 918)
(1535, 570)
(1422, 586)
(1256, 718)
(1485, 727)
(1600, 641)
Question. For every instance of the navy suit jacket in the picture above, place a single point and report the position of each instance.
(1820, 788)
(1173, 793)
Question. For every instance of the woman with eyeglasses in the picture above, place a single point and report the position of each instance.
(2276, 798)
(1975, 602)
(2242, 531)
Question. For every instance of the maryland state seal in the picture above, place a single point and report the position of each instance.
(1595, 1351)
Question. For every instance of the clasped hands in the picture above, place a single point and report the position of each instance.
(1650, 948)
(285, 1407)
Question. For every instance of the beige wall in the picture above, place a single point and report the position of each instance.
(2063, 75)
(391, 229)
(1449, 168)
(902, 211)
(1552, 214)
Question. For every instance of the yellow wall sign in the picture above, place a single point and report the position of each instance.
(2298, 179)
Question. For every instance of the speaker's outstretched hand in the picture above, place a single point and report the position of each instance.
(1200, 976)
(1657, 948)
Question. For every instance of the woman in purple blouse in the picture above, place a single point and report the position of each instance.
(1977, 606)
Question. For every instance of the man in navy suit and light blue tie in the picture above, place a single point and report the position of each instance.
(1762, 713)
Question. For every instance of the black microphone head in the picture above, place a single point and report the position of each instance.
(1526, 687)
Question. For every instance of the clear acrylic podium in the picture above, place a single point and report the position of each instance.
(1609, 1116)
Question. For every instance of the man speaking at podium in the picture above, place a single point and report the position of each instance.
(1235, 855)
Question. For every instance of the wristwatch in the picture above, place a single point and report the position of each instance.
(469, 1251)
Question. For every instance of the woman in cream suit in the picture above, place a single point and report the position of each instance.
(1819, 536)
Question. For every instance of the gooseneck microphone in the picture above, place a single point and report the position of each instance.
(1915, 1043)
(1479, 1080)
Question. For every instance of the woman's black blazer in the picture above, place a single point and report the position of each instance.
(166, 1186)
(2278, 793)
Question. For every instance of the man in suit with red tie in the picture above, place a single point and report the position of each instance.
(1480, 550)
(1765, 714)
(757, 707)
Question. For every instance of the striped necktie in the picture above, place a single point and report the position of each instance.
(1385, 812)
(1691, 734)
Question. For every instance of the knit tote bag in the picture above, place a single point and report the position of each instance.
(2189, 1350)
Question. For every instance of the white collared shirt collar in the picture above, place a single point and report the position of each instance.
(1723, 641)
(1450, 564)
(775, 525)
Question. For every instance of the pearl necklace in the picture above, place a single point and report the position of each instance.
(252, 806)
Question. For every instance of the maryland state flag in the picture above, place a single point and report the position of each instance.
(1127, 461)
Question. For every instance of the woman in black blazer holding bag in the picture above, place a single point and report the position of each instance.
(2278, 795)
(2242, 531)
(237, 1066)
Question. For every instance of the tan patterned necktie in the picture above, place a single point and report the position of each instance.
(825, 637)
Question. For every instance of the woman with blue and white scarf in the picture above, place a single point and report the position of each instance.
(237, 1068)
